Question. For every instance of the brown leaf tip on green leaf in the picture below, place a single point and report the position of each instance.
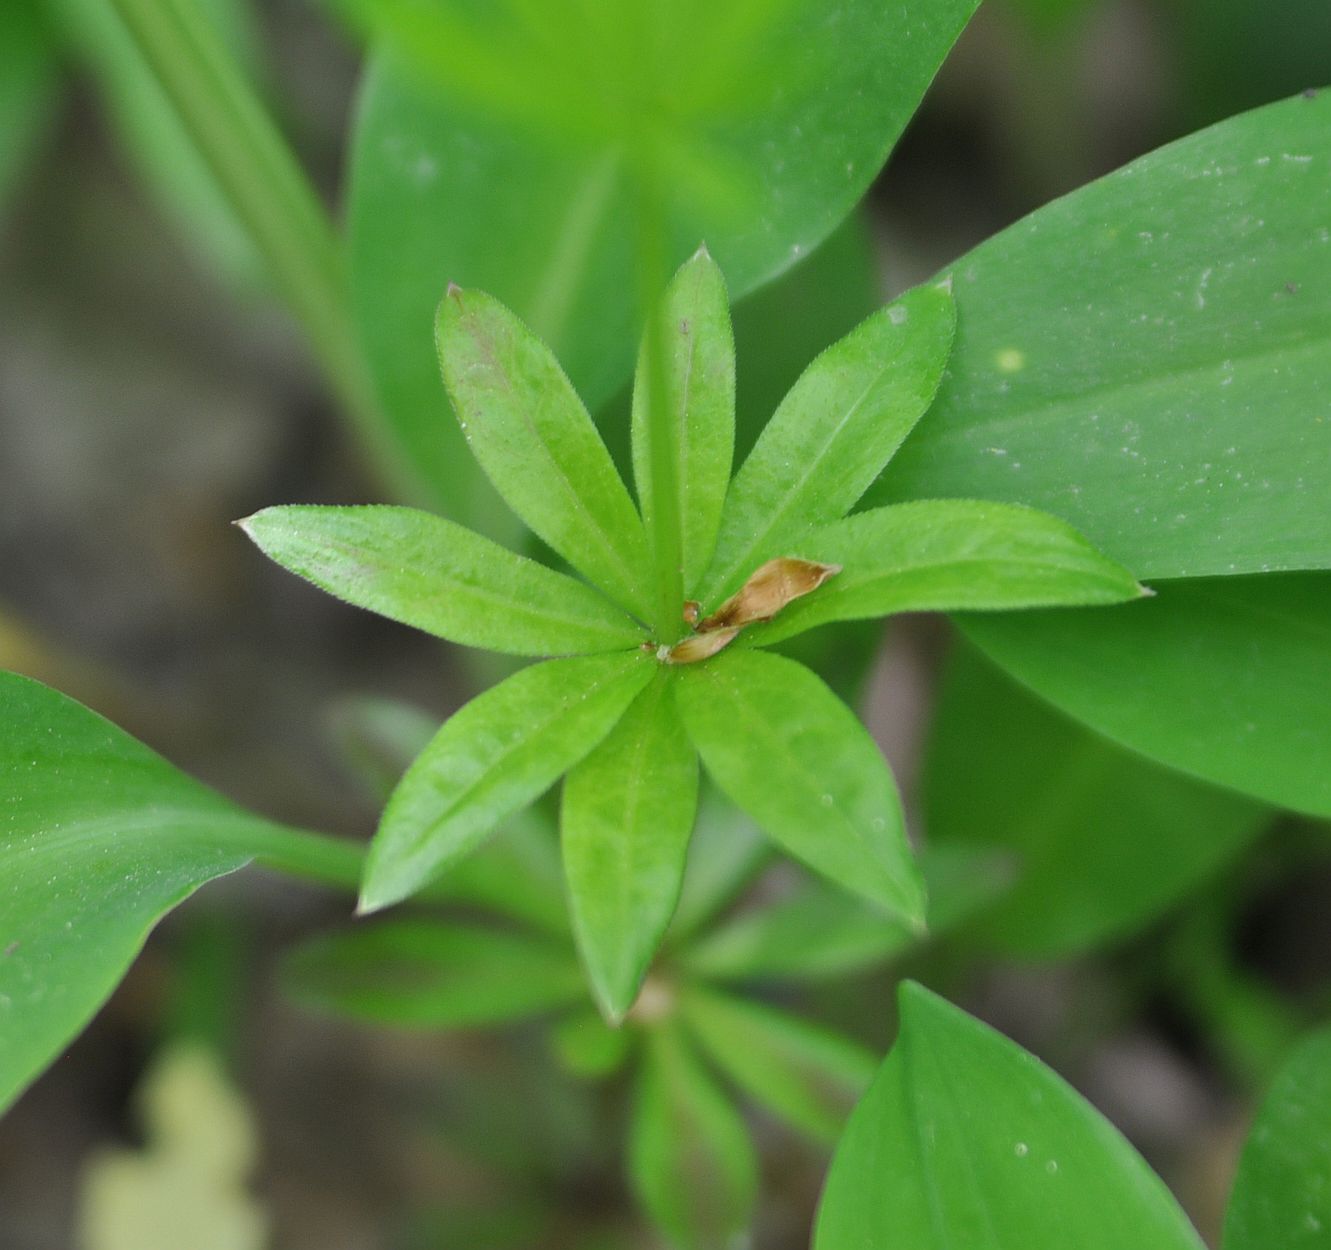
(768, 590)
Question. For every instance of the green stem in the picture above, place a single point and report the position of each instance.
(264, 186)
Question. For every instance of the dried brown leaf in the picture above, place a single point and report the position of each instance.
(768, 590)
(701, 646)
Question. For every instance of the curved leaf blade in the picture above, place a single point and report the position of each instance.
(529, 431)
(489, 760)
(423, 974)
(690, 1158)
(832, 435)
(806, 1075)
(434, 575)
(788, 751)
(1180, 418)
(696, 380)
(964, 1139)
(1282, 1193)
(948, 555)
(627, 813)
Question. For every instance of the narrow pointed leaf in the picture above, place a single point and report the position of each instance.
(627, 814)
(427, 572)
(690, 1158)
(964, 1139)
(1102, 840)
(489, 760)
(789, 752)
(948, 555)
(99, 838)
(816, 932)
(682, 471)
(832, 435)
(425, 974)
(1282, 1193)
(531, 434)
(806, 1075)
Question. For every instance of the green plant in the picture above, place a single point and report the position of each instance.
(1145, 360)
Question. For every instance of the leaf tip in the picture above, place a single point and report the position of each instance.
(454, 292)
(944, 285)
(1144, 592)
(703, 253)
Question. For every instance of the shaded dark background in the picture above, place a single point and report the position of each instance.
(143, 406)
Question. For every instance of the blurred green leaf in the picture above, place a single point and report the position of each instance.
(627, 814)
(947, 555)
(151, 132)
(1222, 678)
(809, 1077)
(429, 573)
(187, 1188)
(29, 72)
(99, 838)
(1150, 358)
(490, 760)
(760, 126)
(430, 974)
(690, 1158)
(696, 390)
(797, 759)
(586, 1046)
(816, 931)
(964, 1139)
(531, 434)
(831, 436)
(1104, 840)
(1282, 1194)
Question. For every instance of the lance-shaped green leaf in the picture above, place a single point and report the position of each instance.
(790, 110)
(1180, 418)
(690, 1158)
(1224, 678)
(947, 555)
(489, 760)
(627, 813)
(426, 974)
(99, 838)
(684, 436)
(531, 434)
(815, 932)
(1103, 840)
(832, 435)
(964, 1139)
(29, 73)
(809, 1077)
(797, 759)
(427, 572)
(1282, 1193)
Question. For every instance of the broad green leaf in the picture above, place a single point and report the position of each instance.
(689, 459)
(1150, 357)
(491, 759)
(947, 555)
(149, 129)
(1223, 678)
(1103, 839)
(816, 932)
(775, 119)
(690, 1158)
(428, 974)
(627, 813)
(964, 1139)
(188, 1186)
(517, 874)
(530, 433)
(99, 838)
(804, 1074)
(832, 434)
(429, 573)
(789, 752)
(1282, 1194)
(29, 74)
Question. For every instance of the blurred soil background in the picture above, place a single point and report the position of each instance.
(143, 407)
